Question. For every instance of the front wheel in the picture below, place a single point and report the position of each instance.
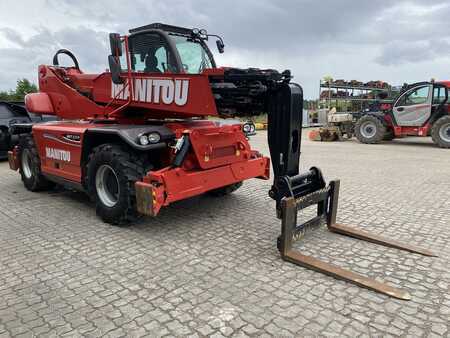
(30, 165)
(111, 174)
(440, 133)
(370, 129)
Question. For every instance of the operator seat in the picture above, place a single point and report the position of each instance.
(151, 64)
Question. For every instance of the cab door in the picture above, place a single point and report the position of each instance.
(413, 108)
(440, 98)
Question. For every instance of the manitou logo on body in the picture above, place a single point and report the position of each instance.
(57, 154)
(154, 90)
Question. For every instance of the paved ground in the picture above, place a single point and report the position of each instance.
(210, 266)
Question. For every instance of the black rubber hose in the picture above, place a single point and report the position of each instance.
(69, 54)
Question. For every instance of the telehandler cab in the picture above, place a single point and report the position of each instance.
(136, 138)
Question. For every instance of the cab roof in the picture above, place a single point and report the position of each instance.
(445, 83)
(167, 28)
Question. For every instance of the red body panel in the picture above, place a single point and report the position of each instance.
(221, 155)
(401, 131)
(214, 145)
(178, 184)
(411, 131)
(74, 95)
(51, 137)
(67, 102)
(163, 96)
(39, 103)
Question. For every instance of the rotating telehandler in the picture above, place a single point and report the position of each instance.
(136, 138)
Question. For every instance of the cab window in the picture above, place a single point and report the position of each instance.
(149, 54)
(439, 95)
(417, 96)
(193, 55)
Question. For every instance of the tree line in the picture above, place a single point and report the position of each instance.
(23, 87)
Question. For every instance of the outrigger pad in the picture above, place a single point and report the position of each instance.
(326, 199)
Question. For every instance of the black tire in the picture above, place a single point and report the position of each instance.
(440, 132)
(111, 173)
(226, 190)
(389, 136)
(30, 166)
(370, 129)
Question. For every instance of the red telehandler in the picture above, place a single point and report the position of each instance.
(135, 138)
(421, 109)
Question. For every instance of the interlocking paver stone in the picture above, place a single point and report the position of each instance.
(209, 266)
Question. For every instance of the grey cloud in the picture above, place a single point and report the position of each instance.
(288, 26)
(254, 24)
(398, 52)
(12, 36)
(89, 46)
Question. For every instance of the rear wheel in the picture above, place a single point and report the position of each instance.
(111, 174)
(30, 165)
(225, 190)
(440, 133)
(370, 129)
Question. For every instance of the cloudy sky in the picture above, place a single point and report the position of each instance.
(397, 41)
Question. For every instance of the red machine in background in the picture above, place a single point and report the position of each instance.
(136, 138)
(421, 109)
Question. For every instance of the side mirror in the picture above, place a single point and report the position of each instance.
(220, 46)
(115, 68)
(116, 44)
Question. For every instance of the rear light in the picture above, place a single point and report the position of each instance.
(150, 138)
(246, 128)
(154, 137)
(143, 140)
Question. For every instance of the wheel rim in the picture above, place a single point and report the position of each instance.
(26, 163)
(107, 185)
(368, 129)
(444, 132)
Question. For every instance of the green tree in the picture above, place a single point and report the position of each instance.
(23, 87)
(310, 104)
(4, 96)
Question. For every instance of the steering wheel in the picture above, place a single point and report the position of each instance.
(69, 54)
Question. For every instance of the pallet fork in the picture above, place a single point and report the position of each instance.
(294, 192)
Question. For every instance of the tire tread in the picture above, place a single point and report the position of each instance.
(132, 167)
(435, 131)
(38, 181)
(381, 129)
